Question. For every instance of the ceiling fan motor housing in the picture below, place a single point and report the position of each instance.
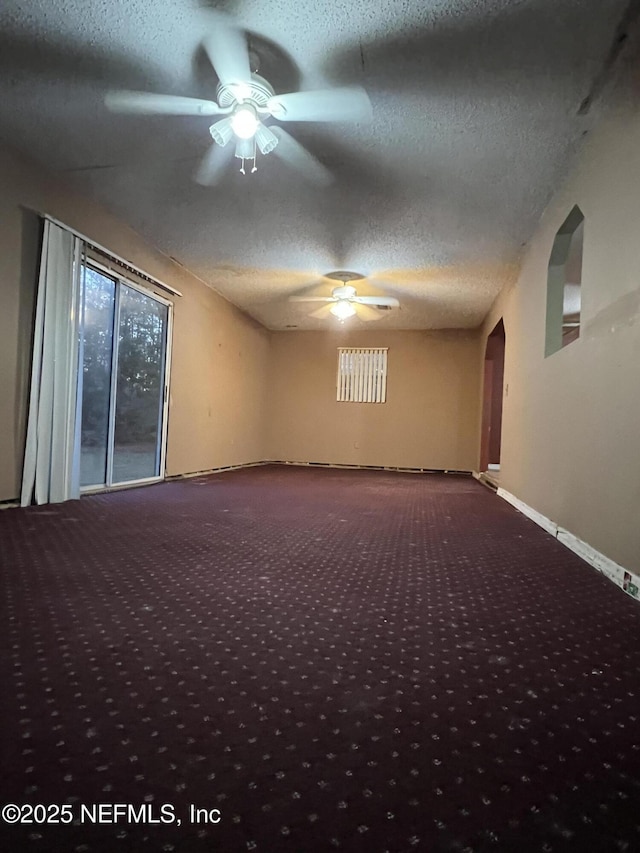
(256, 90)
(345, 291)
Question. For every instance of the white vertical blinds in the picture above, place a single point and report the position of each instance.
(362, 375)
(50, 470)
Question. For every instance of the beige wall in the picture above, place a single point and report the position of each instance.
(219, 355)
(428, 421)
(571, 427)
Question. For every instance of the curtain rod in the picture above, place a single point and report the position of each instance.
(113, 256)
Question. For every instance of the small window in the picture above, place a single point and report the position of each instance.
(362, 375)
(564, 282)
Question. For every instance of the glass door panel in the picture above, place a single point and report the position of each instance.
(98, 315)
(139, 401)
(123, 382)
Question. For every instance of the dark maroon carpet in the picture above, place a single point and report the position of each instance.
(330, 659)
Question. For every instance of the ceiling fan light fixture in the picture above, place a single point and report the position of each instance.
(342, 309)
(246, 150)
(245, 122)
(221, 131)
(266, 140)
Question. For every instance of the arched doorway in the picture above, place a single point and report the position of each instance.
(490, 448)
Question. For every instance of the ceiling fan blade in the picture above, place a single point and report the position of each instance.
(366, 313)
(213, 165)
(321, 313)
(348, 104)
(148, 103)
(297, 156)
(311, 299)
(390, 301)
(227, 49)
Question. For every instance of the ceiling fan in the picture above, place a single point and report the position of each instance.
(344, 301)
(246, 101)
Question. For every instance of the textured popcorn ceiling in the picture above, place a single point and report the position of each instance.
(476, 114)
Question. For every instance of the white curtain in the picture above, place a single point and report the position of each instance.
(51, 462)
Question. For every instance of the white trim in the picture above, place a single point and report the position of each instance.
(603, 564)
(544, 522)
(121, 275)
(588, 553)
(113, 387)
(113, 255)
(172, 478)
(334, 465)
(168, 346)
(355, 467)
(116, 487)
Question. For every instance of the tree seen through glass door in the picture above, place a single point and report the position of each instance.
(139, 386)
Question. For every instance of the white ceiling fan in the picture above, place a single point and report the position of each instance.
(246, 100)
(344, 301)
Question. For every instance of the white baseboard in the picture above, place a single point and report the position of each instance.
(190, 474)
(603, 564)
(544, 522)
(618, 574)
(354, 467)
(337, 465)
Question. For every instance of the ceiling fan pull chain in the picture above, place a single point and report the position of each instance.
(254, 169)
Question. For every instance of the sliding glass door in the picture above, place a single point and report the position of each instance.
(125, 333)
